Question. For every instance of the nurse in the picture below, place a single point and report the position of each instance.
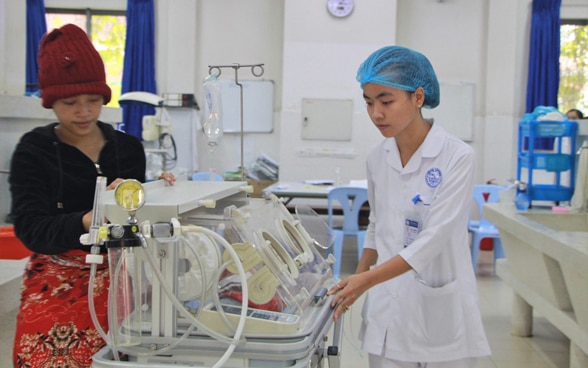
(575, 114)
(421, 307)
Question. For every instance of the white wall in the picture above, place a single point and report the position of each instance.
(321, 56)
(307, 53)
(241, 32)
(12, 54)
(486, 38)
(192, 35)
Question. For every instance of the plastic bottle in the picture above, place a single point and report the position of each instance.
(522, 202)
(213, 122)
(213, 119)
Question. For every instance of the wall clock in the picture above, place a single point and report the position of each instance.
(340, 8)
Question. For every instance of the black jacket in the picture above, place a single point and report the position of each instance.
(52, 184)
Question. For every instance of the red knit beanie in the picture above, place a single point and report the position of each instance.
(69, 65)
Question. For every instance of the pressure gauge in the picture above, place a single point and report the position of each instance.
(340, 8)
(129, 194)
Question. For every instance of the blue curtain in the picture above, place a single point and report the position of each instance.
(36, 28)
(139, 63)
(543, 78)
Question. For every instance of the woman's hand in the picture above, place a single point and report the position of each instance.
(87, 218)
(168, 177)
(349, 289)
(114, 183)
(346, 292)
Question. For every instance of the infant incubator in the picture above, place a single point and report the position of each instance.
(203, 275)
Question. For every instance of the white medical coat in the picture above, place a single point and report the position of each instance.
(430, 313)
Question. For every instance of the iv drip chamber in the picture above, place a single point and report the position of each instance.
(213, 122)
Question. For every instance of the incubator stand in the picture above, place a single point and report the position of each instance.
(288, 316)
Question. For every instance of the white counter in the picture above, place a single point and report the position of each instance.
(547, 266)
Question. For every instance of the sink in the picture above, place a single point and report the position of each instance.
(560, 221)
(547, 266)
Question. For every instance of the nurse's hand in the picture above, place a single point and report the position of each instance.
(346, 292)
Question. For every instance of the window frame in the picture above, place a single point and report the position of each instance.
(574, 22)
(88, 12)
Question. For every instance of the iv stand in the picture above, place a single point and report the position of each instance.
(256, 70)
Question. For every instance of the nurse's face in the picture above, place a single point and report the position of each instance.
(392, 110)
(573, 115)
(78, 114)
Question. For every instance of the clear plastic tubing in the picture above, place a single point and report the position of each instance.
(244, 303)
(97, 219)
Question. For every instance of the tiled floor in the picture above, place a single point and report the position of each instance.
(548, 348)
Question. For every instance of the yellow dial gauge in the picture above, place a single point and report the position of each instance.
(129, 194)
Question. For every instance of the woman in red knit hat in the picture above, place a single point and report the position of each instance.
(52, 180)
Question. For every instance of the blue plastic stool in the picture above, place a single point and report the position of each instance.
(483, 228)
(351, 200)
(205, 175)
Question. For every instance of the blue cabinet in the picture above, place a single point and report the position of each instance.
(559, 162)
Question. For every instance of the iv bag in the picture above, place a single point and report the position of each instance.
(213, 121)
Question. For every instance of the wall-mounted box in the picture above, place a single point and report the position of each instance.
(326, 119)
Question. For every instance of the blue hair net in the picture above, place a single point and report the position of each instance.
(402, 68)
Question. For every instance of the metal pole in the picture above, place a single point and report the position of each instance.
(256, 70)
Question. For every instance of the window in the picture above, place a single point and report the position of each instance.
(573, 66)
(107, 30)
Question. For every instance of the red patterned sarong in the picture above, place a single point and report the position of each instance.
(54, 327)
